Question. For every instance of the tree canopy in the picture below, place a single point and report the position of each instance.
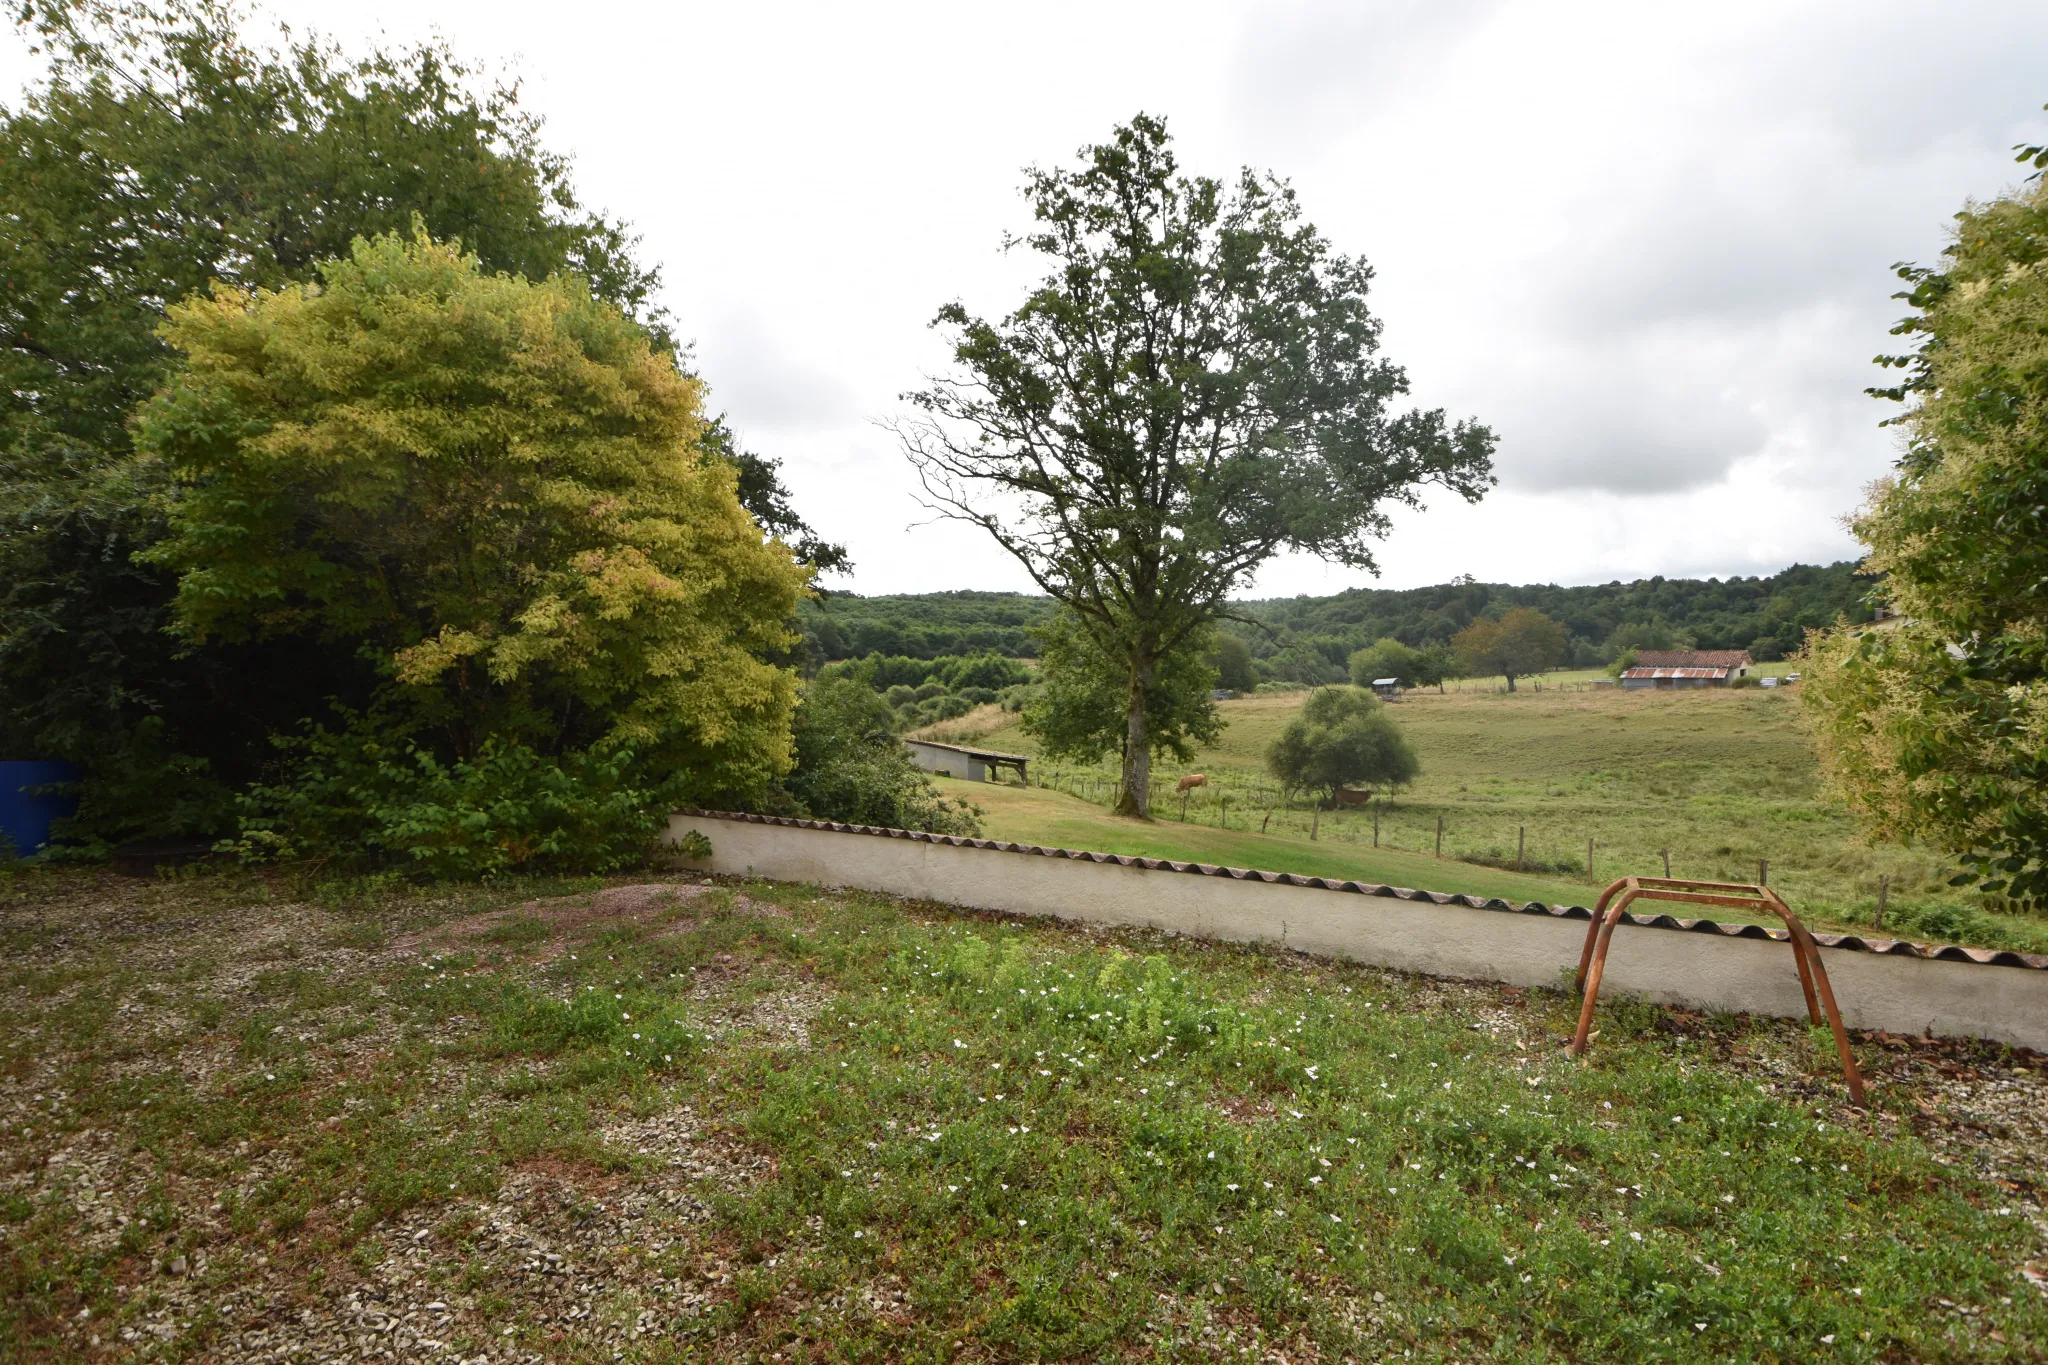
(162, 150)
(1521, 642)
(1387, 658)
(492, 490)
(1936, 726)
(1342, 738)
(1080, 709)
(1193, 388)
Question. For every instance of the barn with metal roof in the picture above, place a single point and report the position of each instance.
(1663, 668)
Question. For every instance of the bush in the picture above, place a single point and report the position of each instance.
(850, 766)
(492, 491)
(509, 810)
(900, 695)
(1342, 736)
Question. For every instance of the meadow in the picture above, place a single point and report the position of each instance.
(1721, 781)
(256, 1120)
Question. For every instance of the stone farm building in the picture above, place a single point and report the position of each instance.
(956, 760)
(1662, 668)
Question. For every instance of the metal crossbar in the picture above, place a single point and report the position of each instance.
(1813, 976)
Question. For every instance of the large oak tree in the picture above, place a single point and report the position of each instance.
(1193, 388)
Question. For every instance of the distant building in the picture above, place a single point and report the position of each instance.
(1390, 688)
(954, 760)
(1659, 668)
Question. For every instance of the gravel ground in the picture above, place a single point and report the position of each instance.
(603, 1256)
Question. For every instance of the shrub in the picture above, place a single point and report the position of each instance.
(509, 810)
(850, 765)
(900, 695)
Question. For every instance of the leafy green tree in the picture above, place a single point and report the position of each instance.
(1192, 389)
(1342, 738)
(1079, 709)
(1386, 658)
(851, 767)
(1434, 664)
(1652, 634)
(161, 151)
(1937, 728)
(1231, 658)
(1522, 642)
(491, 491)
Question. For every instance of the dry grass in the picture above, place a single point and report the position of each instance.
(984, 720)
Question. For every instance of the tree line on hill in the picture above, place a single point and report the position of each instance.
(1311, 639)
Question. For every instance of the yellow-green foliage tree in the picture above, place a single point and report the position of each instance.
(495, 488)
(1937, 728)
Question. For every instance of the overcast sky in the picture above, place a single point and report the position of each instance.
(1649, 244)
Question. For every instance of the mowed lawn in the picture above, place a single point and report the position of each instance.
(1721, 780)
(249, 1120)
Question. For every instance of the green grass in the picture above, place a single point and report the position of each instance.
(1037, 815)
(1049, 1144)
(1721, 779)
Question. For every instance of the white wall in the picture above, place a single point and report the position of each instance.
(951, 762)
(1700, 970)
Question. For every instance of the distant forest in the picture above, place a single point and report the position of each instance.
(1306, 637)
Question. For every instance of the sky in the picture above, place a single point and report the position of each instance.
(1650, 245)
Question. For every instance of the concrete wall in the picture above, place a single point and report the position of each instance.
(1529, 947)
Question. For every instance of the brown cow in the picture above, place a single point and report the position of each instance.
(1191, 780)
(1347, 797)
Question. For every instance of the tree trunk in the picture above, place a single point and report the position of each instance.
(1135, 799)
(1511, 682)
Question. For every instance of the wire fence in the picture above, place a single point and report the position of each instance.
(1242, 802)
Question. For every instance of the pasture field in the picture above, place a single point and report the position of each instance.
(1036, 815)
(1720, 779)
(256, 1121)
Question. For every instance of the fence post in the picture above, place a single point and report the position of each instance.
(1439, 836)
(1223, 814)
(1267, 821)
(1375, 826)
(1667, 864)
(1763, 871)
(1315, 817)
(1589, 858)
(1884, 886)
(1521, 843)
